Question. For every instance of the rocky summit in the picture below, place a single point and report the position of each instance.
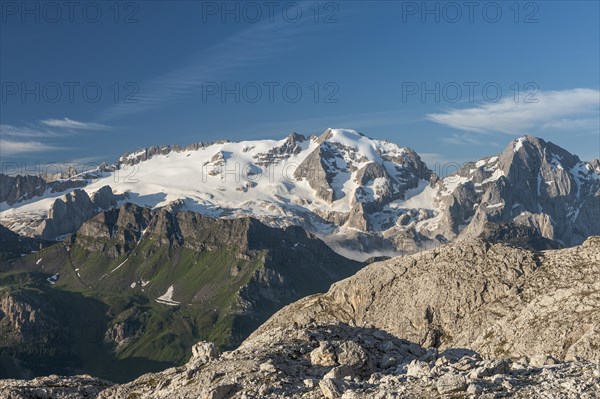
(472, 319)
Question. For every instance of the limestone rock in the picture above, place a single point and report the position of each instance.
(451, 383)
(494, 299)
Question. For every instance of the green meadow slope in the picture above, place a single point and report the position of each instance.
(136, 288)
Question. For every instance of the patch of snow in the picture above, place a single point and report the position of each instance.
(135, 155)
(573, 214)
(518, 144)
(450, 183)
(351, 138)
(142, 235)
(53, 279)
(116, 268)
(495, 176)
(420, 197)
(167, 298)
(555, 162)
(581, 173)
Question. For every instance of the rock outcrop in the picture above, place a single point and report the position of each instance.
(15, 245)
(492, 298)
(53, 387)
(25, 317)
(334, 362)
(14, 189)
(473, 320)
(68, 213)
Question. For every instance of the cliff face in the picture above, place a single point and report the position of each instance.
(494, 299)
(18, 188)
(23, 316)
(15, 245)
(68, 213)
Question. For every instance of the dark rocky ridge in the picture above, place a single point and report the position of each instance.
(13, 245)
(297, 263)
(18, 188)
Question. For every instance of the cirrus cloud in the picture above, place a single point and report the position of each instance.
(9, 147)
(67, 123)
(560, 109)
(29, 138)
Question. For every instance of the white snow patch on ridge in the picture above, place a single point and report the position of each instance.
(452, 182)
(351, 138)
(421, 197)
(116, 268)
(495, 176)
(167, 298)
(519, 143)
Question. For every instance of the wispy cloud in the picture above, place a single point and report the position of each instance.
(9, 147)
(27, 131)
(67, 123)
(251, 47)
(554, 110)
(31, 138)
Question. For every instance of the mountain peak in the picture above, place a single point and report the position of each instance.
(534, 152)
(517, 144)
(296, 137)
(340, 134)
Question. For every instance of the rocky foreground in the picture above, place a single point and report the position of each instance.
(469, 320)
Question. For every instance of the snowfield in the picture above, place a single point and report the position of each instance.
(226, 180)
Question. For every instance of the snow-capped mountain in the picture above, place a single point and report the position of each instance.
(362, 196)
(532, 183)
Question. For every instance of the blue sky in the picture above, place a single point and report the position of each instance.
(84, 87)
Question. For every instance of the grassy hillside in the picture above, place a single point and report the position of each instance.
(93, 292)
(135, 288)
(112, 317)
